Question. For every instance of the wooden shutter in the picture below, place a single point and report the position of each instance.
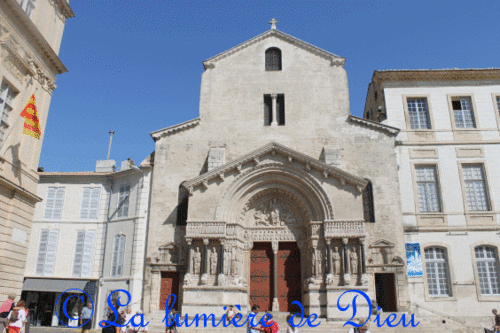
(94, 203)
(58, 203)
(84, 213)
(121, 253)
(50, 259)
(268, 110)
(42, 252)
(77, 263)
(49, 204)
(88, 248)
(118, 253)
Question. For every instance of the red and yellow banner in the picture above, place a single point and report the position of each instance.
(31, 121)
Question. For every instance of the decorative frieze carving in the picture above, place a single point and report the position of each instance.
(274, 212)
(340, 229)
(205, 229)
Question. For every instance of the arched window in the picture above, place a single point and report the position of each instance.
(487, 270)
(118, 253)
(436, 268)
(273, 59)
(368, 207)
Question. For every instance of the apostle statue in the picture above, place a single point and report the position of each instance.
(336, 261)
(213, 261)
(197, 261)
(354, 262)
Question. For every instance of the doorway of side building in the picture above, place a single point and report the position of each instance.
(385, 290)
(169, 285)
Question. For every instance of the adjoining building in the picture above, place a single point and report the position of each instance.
(448, 153)
(276, 192)
(89, 233)
(30, 37)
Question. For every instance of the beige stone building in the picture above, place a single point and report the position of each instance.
(88, 233)
(30, 37)
(448, 153)
(276, 192)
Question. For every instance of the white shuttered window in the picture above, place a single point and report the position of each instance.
(475, 188)
(82, 265)
(488, 270)
(47, 252)
(118, 253)
(436, 266)
(123, 201)
(428, 190)
(90, 203)
(54, 203)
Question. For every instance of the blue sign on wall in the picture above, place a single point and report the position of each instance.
(414, 259)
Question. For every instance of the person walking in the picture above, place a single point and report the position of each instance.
(5, 309)
(110, 316)
(86, 318)
(250, 327)
(171, 325)
(17, 318)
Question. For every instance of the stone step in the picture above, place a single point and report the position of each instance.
(430, 324)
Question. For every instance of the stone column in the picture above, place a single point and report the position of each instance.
(221, 278)
(347, 277)
(364, 277)
(274, 121)
(276, 305)
(187, 276)
(329, 276)
(205, 261)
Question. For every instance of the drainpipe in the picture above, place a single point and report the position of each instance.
(146, 242)
(96, 313)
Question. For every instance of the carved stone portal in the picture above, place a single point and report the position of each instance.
(274, 212)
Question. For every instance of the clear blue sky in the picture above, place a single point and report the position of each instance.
(135, 66)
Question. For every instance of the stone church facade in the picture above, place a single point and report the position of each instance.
(275, 193)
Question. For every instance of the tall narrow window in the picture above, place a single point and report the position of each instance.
(7, 95)
(118, 253)
(428, 190)
(54, 204)
(475, 188)
(463, 113)
(182, 207)
(419, 113)
(28, 6)
(47, 249)
(273, 59)
(123, 201)
(436, 268)
(82, 265)
(368, 208)
(280, 110)
(90, 203)
(487, 270)
(268, 110)
(498, 103)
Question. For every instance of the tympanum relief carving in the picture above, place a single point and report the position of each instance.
(274, 212)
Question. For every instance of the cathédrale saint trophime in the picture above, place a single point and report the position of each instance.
(276, 193)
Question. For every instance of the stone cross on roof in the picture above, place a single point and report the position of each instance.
(273, 24)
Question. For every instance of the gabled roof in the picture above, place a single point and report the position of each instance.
(335, 59)
(175, 128)
(293, 156)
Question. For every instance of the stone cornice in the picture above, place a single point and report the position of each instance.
(174, 129)
(374, 125)
(292, 156)
(335, 59)
(455, 74)
(65, 9)
(18, 189)
(27, 28)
